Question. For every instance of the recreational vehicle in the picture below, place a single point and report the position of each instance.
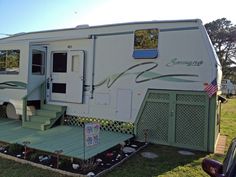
(156, 80)
(227, 87)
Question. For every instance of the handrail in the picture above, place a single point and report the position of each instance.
(41, 86)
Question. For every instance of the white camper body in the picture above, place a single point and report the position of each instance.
(106, 71)
(96, 57)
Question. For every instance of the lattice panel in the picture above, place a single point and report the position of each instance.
(190, 125)
(108, 125)
(191, 98)
(154, 119)
(158, 96)
(3, 111)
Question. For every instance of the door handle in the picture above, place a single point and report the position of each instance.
(48, 83)
(51, 79)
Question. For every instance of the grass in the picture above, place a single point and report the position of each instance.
(168, 164)
(228, 122)
(10, 168)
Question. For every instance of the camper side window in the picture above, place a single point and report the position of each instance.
(38, 62)
(146, 44)
(9, 61)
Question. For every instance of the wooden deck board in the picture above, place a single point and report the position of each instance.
(66, 138)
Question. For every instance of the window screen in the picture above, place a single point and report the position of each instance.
(38, 62)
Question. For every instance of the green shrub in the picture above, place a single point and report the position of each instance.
(34, 156)
(88, 165)
(15, 148)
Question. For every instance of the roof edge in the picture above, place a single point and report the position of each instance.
(105, 25)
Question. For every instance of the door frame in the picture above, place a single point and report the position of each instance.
(33, 78)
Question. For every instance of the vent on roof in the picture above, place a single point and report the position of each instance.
(82, 26)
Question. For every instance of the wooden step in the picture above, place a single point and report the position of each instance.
(47, 113)
(45, 117)
(42, 119)
(52, 107)
(32, 125)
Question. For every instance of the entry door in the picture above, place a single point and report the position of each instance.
(67, 76)
(37, 70)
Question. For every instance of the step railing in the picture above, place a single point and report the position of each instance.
(42, 88)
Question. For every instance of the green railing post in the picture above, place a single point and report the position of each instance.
(42, 94)
(41, 86)
(24, 113)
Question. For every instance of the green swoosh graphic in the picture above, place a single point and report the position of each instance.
(13, 85)
(166, 77)
(147, 75)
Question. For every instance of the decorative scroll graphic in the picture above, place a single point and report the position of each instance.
(91, 131)
(145, 75)
(12, 85)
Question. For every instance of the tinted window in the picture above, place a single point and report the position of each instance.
(146, 39)
(146, 44)
(9, 61)
(58, 88)
(60, 62)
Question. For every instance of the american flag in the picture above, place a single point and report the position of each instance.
(211, 89)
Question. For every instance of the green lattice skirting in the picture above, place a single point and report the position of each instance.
(108, 125)
(176, 118)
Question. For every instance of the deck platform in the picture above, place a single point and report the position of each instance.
(66, 138)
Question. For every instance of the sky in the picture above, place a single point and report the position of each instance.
(18, 16)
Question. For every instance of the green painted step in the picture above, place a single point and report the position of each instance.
(45, 117)
(41, 119)
(52, 107)
(49, 113)
(32, 125)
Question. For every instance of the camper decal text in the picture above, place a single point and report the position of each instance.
(176, 61)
